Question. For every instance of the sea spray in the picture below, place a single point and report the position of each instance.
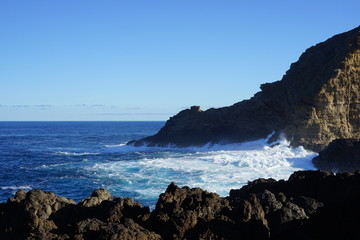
(216, 168)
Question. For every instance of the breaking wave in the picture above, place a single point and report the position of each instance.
(72, 159)
(215, 168)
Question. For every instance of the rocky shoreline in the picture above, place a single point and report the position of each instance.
(316, 102)
(309, 205)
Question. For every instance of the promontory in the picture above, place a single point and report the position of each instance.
(316, 101)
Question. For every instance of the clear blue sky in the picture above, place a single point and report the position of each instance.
(149, 59)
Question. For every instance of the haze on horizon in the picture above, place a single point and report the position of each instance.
(147, 60)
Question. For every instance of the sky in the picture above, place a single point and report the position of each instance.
(146, 60)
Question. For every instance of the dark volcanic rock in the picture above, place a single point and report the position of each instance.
(184, 213)
(316, 102)
(42, 215)
(305, 206)
(342, 155)
(310, 205)
(27, 215)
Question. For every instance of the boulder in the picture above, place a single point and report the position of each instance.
(27, 214)
(96, 198)
(342, 155)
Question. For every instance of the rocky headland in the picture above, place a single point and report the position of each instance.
(316, 101)
(309, 205)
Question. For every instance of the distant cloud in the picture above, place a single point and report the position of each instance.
(87, 105)
(97, 105)
(27, 106)
(43, 106)
(131, 114)
(20, 106)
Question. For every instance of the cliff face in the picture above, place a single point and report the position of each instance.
(330, 109)
(317, 101)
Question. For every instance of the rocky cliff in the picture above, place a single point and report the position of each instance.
(342, 155)
(316, 101)
(310, 205)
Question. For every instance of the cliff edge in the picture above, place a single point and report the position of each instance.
(316, 101)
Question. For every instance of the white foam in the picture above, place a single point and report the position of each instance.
(216, 168)
(76, 153)
(15, 188)
(116, 145)
(123, 147)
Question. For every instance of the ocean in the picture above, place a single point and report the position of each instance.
(72, 159)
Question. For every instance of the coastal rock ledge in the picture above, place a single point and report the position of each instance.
(342, 155)
(316, 101)
(309, 205)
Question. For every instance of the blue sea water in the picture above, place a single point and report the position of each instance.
(72, 159)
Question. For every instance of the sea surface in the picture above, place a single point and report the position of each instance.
(72, 159)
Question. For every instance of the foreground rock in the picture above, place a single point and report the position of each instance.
(316, 102)
(42, 215)
(342, 155)
(310, 205)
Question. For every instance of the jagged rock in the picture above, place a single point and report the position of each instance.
(270, 202)
(249, 219)
(94, 229)
(42, 215)
(184, 213)
(179, 210)
(96, 198)
(290, 212)
(342, 155)
(309, 205)
(316, 101)
(27, 214)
